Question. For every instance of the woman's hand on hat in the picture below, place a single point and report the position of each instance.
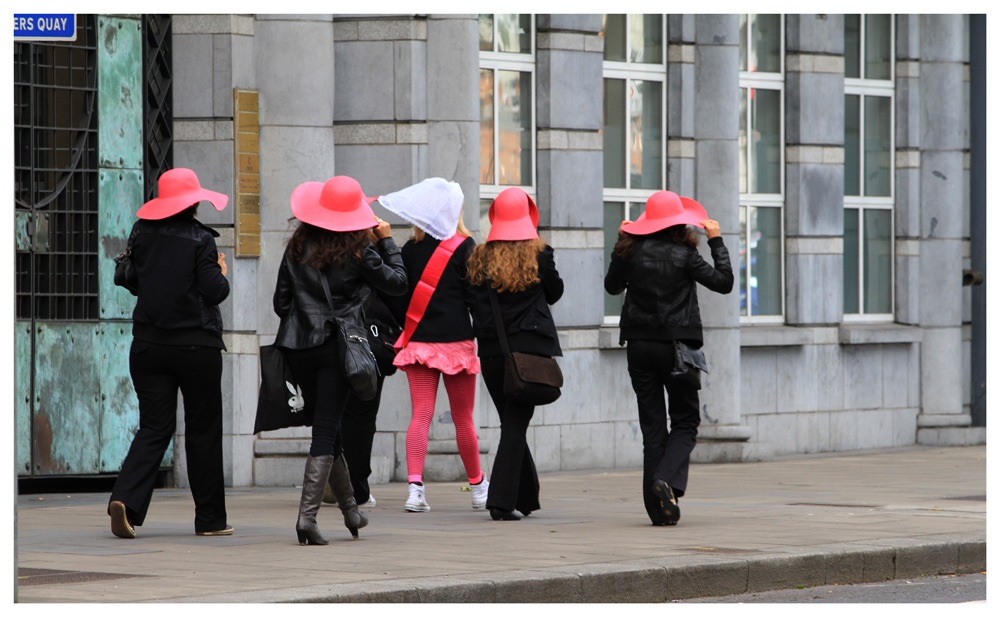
(711, 228)
(222, 263)
(384, 230)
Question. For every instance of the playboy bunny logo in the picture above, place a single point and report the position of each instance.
(297, 403)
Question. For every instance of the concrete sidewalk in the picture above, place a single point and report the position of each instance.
(744, 527)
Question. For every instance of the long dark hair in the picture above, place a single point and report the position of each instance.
(678, 234)
(319, 248)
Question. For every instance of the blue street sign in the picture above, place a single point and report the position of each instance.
(44, 27)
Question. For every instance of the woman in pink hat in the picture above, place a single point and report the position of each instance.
(328, 273)
(657, 261)
(176, 342)
(521, 269)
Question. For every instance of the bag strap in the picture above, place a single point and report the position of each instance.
(326, 289)
(426, 286)
(501, 332)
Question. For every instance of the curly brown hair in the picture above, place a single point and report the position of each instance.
(678, 234)
(319, 248)
(510, 265)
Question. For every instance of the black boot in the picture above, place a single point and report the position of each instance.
(668, 503)
(313, 483)
(343, 492)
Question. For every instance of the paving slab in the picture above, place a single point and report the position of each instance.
(858, 517)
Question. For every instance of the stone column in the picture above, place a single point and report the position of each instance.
(212, 55)
(943, 138)
(721, 437)
(681, 104)
(814, 169)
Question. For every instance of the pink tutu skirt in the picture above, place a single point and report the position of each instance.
(449, 358)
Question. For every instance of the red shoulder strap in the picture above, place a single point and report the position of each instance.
(426, 285)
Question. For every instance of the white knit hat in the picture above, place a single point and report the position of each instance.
(434, 205)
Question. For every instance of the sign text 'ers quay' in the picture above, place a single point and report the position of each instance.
(44, 27)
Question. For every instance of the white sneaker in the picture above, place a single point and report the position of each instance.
(370, 503)
(479, 492)
(417, 502)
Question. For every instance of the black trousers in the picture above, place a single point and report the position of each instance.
(666, 454)
(325, 390)
(157, 372)
(357, 430)
(514, 480)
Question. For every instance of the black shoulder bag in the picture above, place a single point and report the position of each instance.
(687, 364)
(527, 379)
(356, 357)
(125, 275)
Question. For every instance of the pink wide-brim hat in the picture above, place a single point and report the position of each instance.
(179, 189)
(337, 204)
(666, 209)
(513, 216)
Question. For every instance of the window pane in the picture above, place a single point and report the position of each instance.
(614, 37)
(614, 214)
(614, 133)
(514, 33)
(765, 265)
(485, 32)
(766, 123)
(514, 132)
(852, 46)
(765, 52)
(852, 144)
(743, 42)
(645, 134)
(635, 208)
(484, 219)
(647, 39)
(878, 47)
(743, 260)
(878, 145)
(743, 140)
(851, 257)
(485, 126)
(878, 261)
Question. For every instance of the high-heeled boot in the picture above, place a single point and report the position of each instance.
(313, 482)
(340, 482)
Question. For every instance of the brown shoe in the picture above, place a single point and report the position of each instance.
(120, 525)
(225, 531)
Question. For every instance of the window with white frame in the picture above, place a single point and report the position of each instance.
(869, 129)
(633, 132)
(761, 167)
(506, 107)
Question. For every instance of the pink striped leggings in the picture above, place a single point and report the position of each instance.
(423, 392)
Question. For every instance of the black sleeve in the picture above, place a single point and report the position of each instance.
(384, 268)
(720, 278)
(552, 284)
(616, 280)
(283, 293)
(464, 252)
(212, 286)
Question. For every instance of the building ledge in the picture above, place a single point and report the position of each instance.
(783, 336)
(873, 334)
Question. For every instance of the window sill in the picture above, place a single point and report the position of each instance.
(785, 336)
(878, 333)
(790, 336)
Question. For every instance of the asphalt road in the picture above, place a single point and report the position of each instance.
(924, 590)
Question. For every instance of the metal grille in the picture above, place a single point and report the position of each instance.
(55, 170)
(158, 104)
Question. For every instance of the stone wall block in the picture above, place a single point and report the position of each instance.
(453, 154)
(717, 29)
(383, 169)
(717, 187)
(577, 23)
(779, 431)
(815, 200)
(814, 290)
(680, 100)
(812, 432)
(720, 393)
(582, 303)
(720, 310)
(213, 162)
(410, 77)
(717, 106)
(944, 38)
(568, 85)
(941, 279)
(940, 371)
(814, 111)
(907, 210)
(943, 120)
(569, 188)
(681, 176)
(243, 283)
(796, 389)
(585, 446)
(243, 75)
(829, 377)
(295, 72)
(366, 71)
(222, 69)
(823, 34)
(547, 448)
(681, 28)
(272, 247)
(941, 179)
(908, 128)
(904, 424)
(863, 368)
(875, 429)
(844, 431)
(193, 75)
(453, 60)
(907, 297)
(758, 380)
(895, 372)
(289, 156)
(908, 37)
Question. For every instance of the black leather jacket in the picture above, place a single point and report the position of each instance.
(307, 317)
(180, 281)
(662, 299)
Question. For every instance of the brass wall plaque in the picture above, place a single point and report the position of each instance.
(246, 122)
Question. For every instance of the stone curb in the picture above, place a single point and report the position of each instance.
(662, 579)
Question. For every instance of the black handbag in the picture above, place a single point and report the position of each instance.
(125, 275)
(688, 364)
(527, 379)
(356, 357)
(382, 333)
(280, 403)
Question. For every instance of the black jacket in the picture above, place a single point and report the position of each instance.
(447, 318)
(180, 283)
(662, 299)
(526, 316)
(307, 318)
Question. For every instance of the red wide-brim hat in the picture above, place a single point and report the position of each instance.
(337, 205)
(179, 189)
(513, 216)
(666, 209)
